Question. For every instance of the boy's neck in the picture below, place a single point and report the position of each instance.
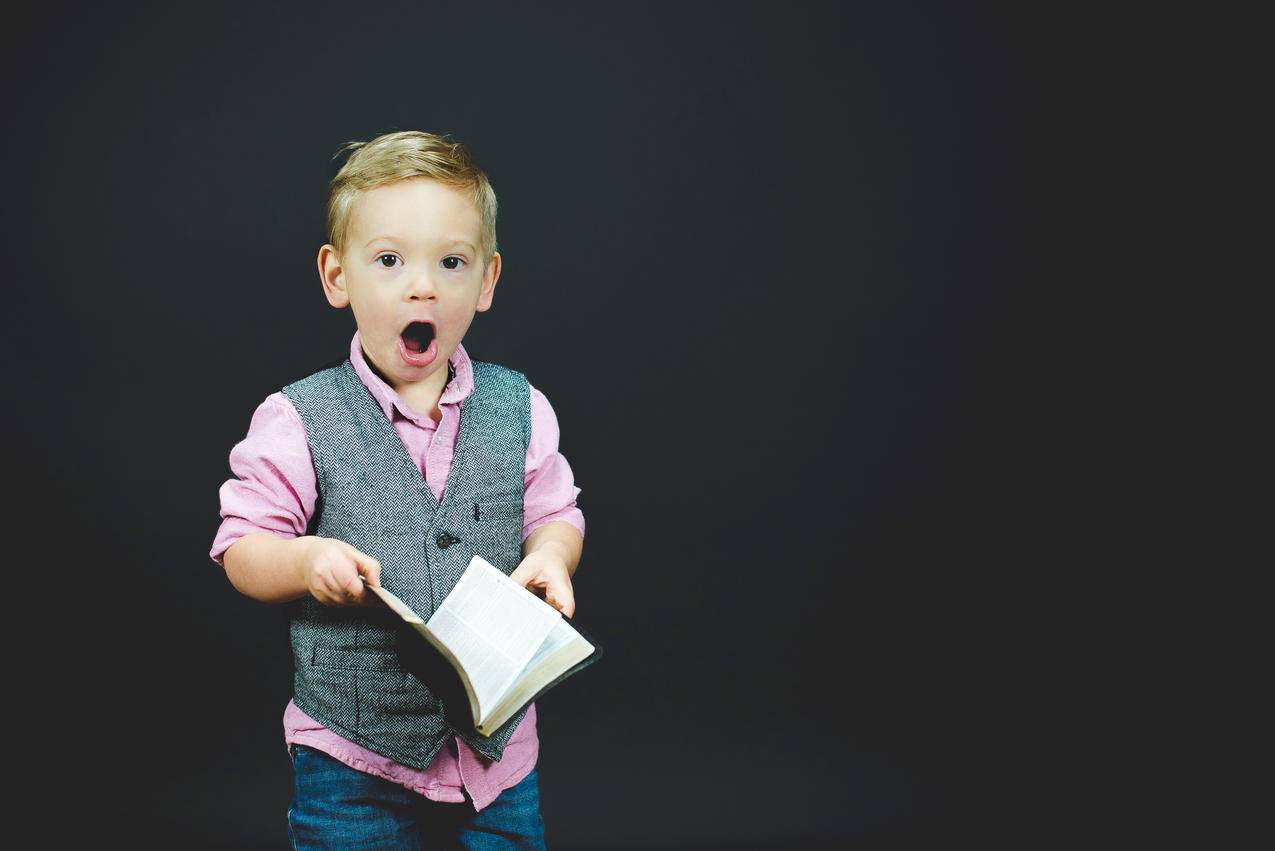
(422, 397)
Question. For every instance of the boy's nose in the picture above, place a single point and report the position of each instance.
(421, 287)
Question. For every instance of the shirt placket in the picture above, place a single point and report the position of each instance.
(437, 454)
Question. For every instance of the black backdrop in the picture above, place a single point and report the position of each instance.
(757, 256)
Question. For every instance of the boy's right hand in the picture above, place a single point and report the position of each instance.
(331, 569)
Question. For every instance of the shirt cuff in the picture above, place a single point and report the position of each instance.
(570, 514)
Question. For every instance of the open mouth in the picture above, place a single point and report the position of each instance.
(417, 336)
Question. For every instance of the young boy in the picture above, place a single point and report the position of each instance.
(395, 468)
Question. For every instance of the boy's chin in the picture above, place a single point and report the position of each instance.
(394, 369)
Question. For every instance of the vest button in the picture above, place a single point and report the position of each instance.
(445, 540)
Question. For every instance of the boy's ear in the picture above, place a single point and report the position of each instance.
(333, 277)
(490, 275)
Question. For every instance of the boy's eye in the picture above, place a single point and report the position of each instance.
(391, 258)
(453, 262)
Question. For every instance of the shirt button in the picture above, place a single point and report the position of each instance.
(438, 439)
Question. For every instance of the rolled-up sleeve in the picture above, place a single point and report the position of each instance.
(549, 491)
(274, 488)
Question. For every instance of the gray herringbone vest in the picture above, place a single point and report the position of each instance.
(373, 496)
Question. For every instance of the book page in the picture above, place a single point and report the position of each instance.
(493, 626)
(560, 636)
(562, 648)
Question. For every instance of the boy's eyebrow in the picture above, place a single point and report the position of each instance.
(456, 240)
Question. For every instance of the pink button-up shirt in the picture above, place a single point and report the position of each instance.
(275, 491)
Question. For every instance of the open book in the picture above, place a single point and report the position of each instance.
(507, 645)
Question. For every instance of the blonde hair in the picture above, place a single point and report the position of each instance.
(403, 155)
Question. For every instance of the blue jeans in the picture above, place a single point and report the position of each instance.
(336, 806)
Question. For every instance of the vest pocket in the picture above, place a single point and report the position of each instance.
(497, 511)
(355, 659)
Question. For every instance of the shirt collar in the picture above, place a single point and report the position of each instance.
(456, 391)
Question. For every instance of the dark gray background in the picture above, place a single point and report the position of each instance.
(763, 260)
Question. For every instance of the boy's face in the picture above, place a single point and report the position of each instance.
(412, 273)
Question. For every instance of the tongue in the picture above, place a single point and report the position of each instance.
(417, 336)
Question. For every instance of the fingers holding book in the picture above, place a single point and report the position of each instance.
(336, 574)
(544, 573)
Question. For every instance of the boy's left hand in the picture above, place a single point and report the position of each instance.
(545, 574)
